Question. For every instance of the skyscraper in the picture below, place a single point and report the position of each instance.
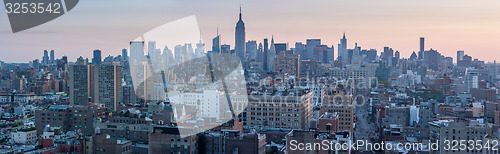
(225, 48)
(264, 58)
(107, 80)
(471, 79)
(239, 44)
(136, 51)
(251, 49)
(52, 56)
(356, 60)
(342, 53)
(45, 59)
(460, 55)
(271, 55)
(200, 49)
(124, 55)
(216, 44)
(97, 57)
(310, 44)
(78, 83)
(432, 59)
(422, 48)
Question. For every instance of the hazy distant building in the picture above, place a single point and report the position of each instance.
(137, 51)
(216, 46)
(45, 59)
(251, 50)
(310, 44)
(422, 48)
(96, 60)
(265, 55)
(281, 47)
(271, 54)
(433, 59)
(124, 55)
(460, 55)
(225, 48)
(52, 57)
(471, 79)
(342, 51)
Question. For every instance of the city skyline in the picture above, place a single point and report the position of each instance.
(392, 24)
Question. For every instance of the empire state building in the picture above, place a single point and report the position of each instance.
(239, 46)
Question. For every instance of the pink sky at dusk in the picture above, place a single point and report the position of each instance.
(447, 25)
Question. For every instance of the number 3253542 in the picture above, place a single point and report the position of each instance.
(33, 8)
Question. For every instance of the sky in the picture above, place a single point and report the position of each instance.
(447, 25)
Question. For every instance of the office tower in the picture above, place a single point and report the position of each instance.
(78, 83)
(403, 66)
(320, 53)
(52, 56)
(265, 58)
(342, 51)
(137, 51)
(45, 59)
(179, 52)
(216, 44)
(97, 57)
(471, 79)
(251, 50)
(371, 54)
(260, 51)
(310, 44)
(330, 55)
(200, 49)
(356, 59)
(460, 55)
(271, 55)
(300, 48)
(432, 59)
(189, 52)
(239, 41)
(388, 53)
(495, 67)
(124, 55)
(422, 48)
(225, 48)
(107, 84)
(287, 64)
(413, 56)
(281, 47)
(151, 48)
